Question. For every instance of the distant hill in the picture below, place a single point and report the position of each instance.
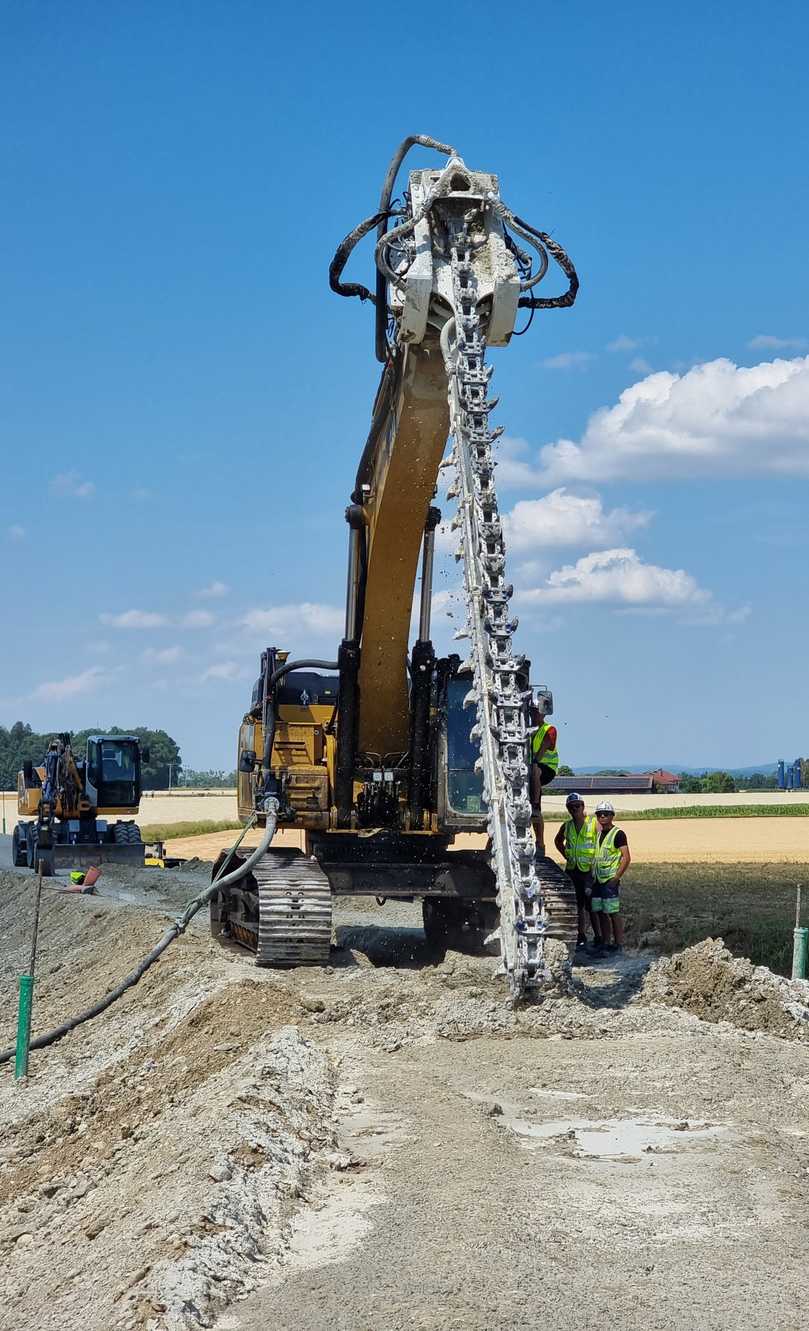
(766, 769)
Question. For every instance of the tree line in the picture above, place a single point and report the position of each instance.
(21, 743)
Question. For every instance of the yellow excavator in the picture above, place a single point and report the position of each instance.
(384, 756)
(69, 800)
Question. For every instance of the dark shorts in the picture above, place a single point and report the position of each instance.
(607, 896)
(581, 879)
(546, 775)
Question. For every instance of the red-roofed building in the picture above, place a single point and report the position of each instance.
(663, 782)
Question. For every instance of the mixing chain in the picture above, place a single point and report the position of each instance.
(498, 691)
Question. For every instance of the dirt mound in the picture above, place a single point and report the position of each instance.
(708, 981)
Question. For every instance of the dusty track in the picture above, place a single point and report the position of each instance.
(385, 1144)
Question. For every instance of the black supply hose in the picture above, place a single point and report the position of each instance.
(178, 927)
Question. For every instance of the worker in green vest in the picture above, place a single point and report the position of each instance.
(544, 760)
(576, 839)
(612, 859)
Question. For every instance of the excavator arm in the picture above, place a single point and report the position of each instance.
(452, 275)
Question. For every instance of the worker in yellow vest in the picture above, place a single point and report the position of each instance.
(612, 859)
(544, 761)
(576, 839)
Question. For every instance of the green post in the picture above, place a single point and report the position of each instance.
(24, 1026)
(26, 1003)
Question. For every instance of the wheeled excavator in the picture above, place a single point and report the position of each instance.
(69, 800)
(385, 755)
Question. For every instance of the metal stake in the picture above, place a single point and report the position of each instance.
(800, 944)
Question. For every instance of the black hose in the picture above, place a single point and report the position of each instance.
(564, 262)
(178, 927)
(341, 256)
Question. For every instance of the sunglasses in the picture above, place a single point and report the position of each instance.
(605, 815)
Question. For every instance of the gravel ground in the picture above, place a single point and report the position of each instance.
(386, 1143)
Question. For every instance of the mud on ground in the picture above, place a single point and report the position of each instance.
(385, 1142)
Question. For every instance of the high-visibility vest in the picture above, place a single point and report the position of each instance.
(608, 857)
(580, 843)
(549, 759)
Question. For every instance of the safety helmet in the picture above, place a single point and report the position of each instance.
(574, 798)
(605, 807)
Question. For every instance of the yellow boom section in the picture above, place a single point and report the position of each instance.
(401, 466)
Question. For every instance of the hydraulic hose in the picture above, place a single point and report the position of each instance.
(178, 927)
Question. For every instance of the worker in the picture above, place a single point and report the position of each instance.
(576, 840)
(612, 859)
(544, 762)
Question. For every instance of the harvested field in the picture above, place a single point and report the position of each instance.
(385, 1143)
(674, 841)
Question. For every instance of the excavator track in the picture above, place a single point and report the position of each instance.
(294, 910)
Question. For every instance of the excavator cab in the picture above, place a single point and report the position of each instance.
(113, 773)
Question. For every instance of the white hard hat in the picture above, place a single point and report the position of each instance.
(605, 807)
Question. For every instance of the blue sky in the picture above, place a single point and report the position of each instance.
(183, 401)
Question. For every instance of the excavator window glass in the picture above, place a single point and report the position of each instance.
(119, 774)
(464, 784)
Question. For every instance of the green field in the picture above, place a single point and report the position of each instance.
(751, 907)
(703, 811)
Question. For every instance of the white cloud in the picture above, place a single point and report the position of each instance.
(135, 619)
(568, 360)
(620, 577)
(716, 418)
(624, 343)
(286, 620)
(213, 591)
(561, 518)
(72, 686)
(160, 656)
(640, 365)
(513, 472)
(225, 670)
(766, 342)
(15, 532)
(197, 619)
(71, 485)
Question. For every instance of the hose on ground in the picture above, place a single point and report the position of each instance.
(178, 927)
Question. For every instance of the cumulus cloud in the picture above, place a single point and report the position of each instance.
(135, 619)
(310, 617)
(561, 518)
(640, 365)
(72, 686)
(716, 417)
(622, 578)
(568, 360)
(197, 619)
(15, 532)
(160, 656)
(766, 342)
(213, 591)
(71, 485)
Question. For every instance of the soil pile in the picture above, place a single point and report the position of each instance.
(708, 981)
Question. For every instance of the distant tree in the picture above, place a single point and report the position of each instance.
(212, 779)
(718, 783)
(610, 771)
(690, 784)
(756, 781)
(564, 770)
(21, 743)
